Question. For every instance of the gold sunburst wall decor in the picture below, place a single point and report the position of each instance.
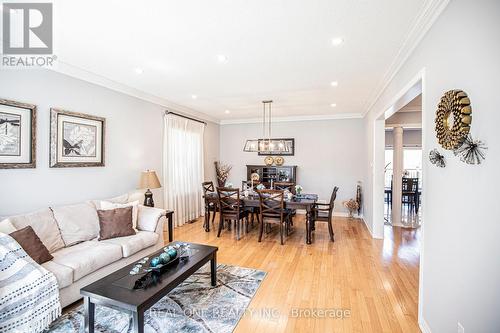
(453, 119)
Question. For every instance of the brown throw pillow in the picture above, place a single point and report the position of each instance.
(29, 241)
(115, 223)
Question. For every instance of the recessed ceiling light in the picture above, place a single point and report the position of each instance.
(337, 41)
(138, 70)
(221, 58)
(194, 96)
(333, 105)
(227, 112)
(334, 83)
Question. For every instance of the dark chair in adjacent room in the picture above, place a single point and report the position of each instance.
(324, 212)
(409, 193)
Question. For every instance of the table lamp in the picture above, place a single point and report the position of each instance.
(149, 180)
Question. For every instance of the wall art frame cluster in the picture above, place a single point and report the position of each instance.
(452, 125)
(76, 139)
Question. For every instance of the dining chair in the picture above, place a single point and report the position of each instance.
(210, 205)
(272, 211)
(324, 212)
(231, 209)
(283, 186)
(253, 211)
(290, 187)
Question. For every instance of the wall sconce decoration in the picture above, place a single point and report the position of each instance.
(453, 119)
(471, 151)
(436, 158)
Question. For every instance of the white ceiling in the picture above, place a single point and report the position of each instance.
(278, 50)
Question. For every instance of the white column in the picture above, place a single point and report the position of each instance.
(397, 175)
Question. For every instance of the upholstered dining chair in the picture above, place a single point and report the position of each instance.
(231, 209)
(210, 205)
(272, 211)
(324, 212)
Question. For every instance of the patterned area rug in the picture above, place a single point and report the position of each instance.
(194, 306)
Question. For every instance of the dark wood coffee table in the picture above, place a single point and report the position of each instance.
(115, 290)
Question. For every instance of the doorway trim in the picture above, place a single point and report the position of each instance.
(378, 167)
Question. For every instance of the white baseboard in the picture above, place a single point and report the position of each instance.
(338, 214)
(367, 227)
(424, 327)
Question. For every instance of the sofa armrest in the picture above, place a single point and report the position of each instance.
(150, 219)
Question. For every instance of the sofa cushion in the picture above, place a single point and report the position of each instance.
(6, 227)
(44, 225)
(133, 244)
(107, 205)
(87, 257)
(31, 244)
(64, 274)
(77, 223)
(115, 223)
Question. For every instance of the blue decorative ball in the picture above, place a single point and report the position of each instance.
(155, 261)
(164, 258)
(172, 253)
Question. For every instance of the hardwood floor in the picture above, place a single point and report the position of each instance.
(375, 280)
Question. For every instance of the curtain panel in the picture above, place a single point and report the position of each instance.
(183, 167)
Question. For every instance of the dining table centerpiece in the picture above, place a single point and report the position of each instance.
(298, 189)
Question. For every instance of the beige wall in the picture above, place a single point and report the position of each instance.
(328, 153)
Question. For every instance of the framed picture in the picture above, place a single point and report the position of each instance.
(289, 142)
(17, 135)
(76, 139)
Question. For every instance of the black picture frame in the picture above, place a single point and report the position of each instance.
(288, 141)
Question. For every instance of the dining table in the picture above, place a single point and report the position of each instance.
(303, 201)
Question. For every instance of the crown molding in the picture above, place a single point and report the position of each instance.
(88, 76)
(293, 118)
(431, 10)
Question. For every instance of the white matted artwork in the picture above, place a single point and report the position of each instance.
(76, 139)
(17, 135)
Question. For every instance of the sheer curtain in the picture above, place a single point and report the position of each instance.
(183, 167)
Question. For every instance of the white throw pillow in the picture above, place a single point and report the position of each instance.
(149, 217)
(44, 225)
(106, 205)
(6, 227)
(121, 199)
(77, 223)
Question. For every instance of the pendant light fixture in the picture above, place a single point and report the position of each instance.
(267, 144)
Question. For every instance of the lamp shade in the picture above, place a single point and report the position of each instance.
(149, 180)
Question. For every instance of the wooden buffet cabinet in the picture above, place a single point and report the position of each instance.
(284, 173)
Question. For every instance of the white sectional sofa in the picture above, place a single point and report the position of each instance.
(70, 234)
